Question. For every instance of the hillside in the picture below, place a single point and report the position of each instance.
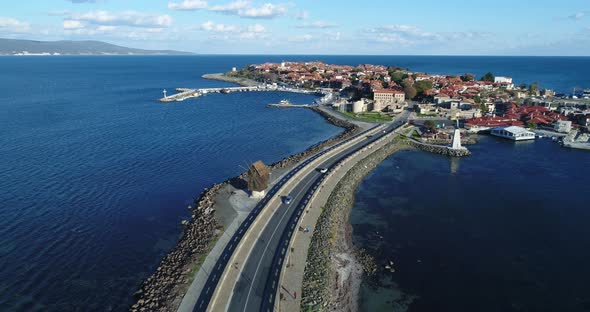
(23, 47)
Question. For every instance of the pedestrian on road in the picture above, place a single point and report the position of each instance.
(295, 295)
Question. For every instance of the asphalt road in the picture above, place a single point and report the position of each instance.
(257, 286)
(255, 281)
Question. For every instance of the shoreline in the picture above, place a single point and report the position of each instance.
(166, 287)
(334, 269)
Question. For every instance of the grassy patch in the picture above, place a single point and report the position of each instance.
(369, 116)
(195, 266)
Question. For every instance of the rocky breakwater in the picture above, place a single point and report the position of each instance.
(350, 129)
(164, 289)
(439, 149)
(334, 268)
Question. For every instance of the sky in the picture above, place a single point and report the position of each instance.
(425, 27)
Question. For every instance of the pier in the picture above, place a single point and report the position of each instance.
(185, 93)
(289, 105)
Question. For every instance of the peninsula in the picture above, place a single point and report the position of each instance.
(290, 239)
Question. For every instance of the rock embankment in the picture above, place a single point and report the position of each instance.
(349, 130)
(439, 149)
(334, 268)
(163, 291)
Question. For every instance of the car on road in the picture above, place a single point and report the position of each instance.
(287, 199)
(323, 170)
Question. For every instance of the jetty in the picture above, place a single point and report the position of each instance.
(289, 105)
(185, 93)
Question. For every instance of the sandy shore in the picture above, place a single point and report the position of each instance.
(335, 267)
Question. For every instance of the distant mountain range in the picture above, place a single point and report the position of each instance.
(66, 47)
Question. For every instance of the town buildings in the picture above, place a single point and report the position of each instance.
(482, 104)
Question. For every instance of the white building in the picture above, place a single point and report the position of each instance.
(384, 98)
(513, 133)
(501, 79)
(563, 126)
(359, 106)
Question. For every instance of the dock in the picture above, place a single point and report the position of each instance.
(185, 93)
(289, 105)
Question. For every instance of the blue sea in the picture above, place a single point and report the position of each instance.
(505, 229)
(95, 175)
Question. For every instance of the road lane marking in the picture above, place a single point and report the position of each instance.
(268, 244)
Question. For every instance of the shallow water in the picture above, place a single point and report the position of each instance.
(505, 229)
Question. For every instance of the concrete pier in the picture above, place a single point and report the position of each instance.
(288, 105)
(185, 93)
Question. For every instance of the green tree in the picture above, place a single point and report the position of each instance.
(430, 125)
(477, 98)
(533, 88)
(488, 77)
(422, 86)
(398, 77)
(468, 77)
(409, 89)
(522, 86)
(484, 109)
(531, 125)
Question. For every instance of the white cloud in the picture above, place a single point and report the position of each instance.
(256, 28)
(408, 35)
(302, 15)
(301, 38)
(118, 25)
(228, 32)
(267, 10)
(241, 8)
(212, 27)
(70, 24)
(8, 24)
(232, 7)
(578, 16)
(128, 18)
(318, 24)
(188, 5)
